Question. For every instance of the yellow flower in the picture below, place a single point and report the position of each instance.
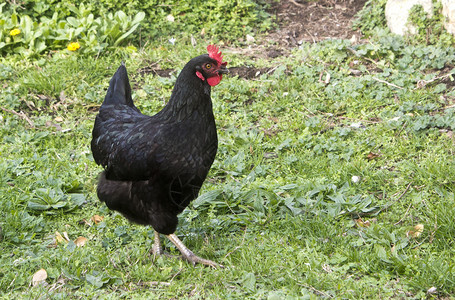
(73, 46)
(14, 32)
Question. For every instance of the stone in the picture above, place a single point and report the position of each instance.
(397, 13)
(448, 11)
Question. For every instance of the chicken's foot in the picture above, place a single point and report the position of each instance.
(189, 255)
(157, 250)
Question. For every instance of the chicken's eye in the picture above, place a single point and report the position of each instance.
(208, 66)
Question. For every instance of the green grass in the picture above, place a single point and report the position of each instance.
(279, 209)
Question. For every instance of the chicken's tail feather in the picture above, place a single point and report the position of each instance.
(119, 91)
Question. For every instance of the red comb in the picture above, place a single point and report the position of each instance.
(215, 53)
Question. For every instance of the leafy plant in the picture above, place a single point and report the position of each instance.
(184, 18)
(430, 29)
(371, 17)
(326, 167)
(43, 199)
(22, 34)
(178, 19)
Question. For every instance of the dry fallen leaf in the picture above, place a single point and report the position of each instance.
(362, 223)
(59, 238)
(372, 155)
(97, 219)
(80, 241)
(65, 235)
(58, 119)
(39, 277)
(84, 222)
(327, 78)
(416, 232)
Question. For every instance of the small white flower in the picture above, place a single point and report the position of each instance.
(172, 41)
(355, 179)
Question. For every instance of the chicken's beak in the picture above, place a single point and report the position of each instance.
(223, 69)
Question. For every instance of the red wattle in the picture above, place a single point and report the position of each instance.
(214, 80)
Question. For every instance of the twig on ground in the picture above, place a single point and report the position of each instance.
(21, 115)
(272, 70)
(404, 216)
(296, 3)
(314, 40)
(405, 191)
(175, 275)
(316, 291)
(159, 283)
(422, 83)
(193, 292)
(388, 83)
(398, 199)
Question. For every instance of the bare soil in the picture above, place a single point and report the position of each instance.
(298, 21)
(302, 21)
(312, 21)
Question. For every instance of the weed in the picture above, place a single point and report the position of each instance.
(337, 185)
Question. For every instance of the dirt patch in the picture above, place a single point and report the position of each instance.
(155, 69)
(243, 72)
(312, 21)
(298, 21)
(249, 72)
(302, 21)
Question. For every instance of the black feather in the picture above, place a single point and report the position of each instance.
(119, 91)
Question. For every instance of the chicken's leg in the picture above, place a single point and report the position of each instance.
(189, 255)
(156, 248)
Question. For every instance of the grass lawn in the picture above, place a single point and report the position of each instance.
(333, 179)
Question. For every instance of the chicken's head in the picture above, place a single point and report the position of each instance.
(213, 68)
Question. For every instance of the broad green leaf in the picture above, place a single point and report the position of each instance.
(208, 197)
(125, 35)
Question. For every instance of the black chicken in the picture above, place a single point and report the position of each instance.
(154, 166)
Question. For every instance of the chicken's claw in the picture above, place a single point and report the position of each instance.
(189, 255)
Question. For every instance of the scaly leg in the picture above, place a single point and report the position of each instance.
(189, 255)
(156, 248)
